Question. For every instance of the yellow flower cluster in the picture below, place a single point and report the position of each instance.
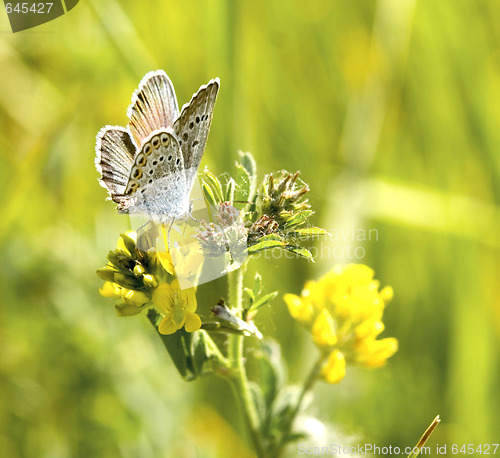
(136, 278)
(343, 310)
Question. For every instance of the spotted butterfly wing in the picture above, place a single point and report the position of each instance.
(150, 167)
(193, 125)
(115, 153)
(154, 106)
(157, 182)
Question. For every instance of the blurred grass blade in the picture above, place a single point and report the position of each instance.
(425, 436)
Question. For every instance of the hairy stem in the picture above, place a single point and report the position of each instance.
(240, 379)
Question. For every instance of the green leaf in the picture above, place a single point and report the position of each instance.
(230, 187)
(248, 162)
(308, 232)
(214, 184)
(263, 301)
(285, 405)
(208, 193)
(178, 346)
(243, 185)
(257, 284)
(250, 294)
(202, 353)
(266, 242)
(300, 251)
(259, 400)
(299, 218)
(270, 369)
(128, 242)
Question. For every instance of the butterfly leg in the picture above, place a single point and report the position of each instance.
(169, 230)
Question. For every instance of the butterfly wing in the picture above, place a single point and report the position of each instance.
(157, 182)
(115, 153)
(154, 106)
(193, 125)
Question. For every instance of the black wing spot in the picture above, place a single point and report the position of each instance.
(170, 157)
(155, 162)
(156, 142)
(193, 145)
(191, 124)
(197, 119)
(185, 136)
(147, 149)
(177, 161)
(161, 158)
(151, 172)
(150, 181)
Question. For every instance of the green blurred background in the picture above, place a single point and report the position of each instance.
(390, 110)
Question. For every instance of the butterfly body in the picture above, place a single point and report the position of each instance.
(149, 167)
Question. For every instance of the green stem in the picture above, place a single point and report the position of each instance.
(308, 384)
(240, 379)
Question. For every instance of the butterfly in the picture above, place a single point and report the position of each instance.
(150, 166)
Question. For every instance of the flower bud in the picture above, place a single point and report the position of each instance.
(139, 270)
(137, 298)
(149, 280)
(106, 273)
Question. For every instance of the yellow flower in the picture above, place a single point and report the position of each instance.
(129, 296)
(166, 261)
(132, 297)
(343, 311)
(300, 309)
(323, 330)
(111, 289)
(334, 369)
(374, 353)
(177, 306)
